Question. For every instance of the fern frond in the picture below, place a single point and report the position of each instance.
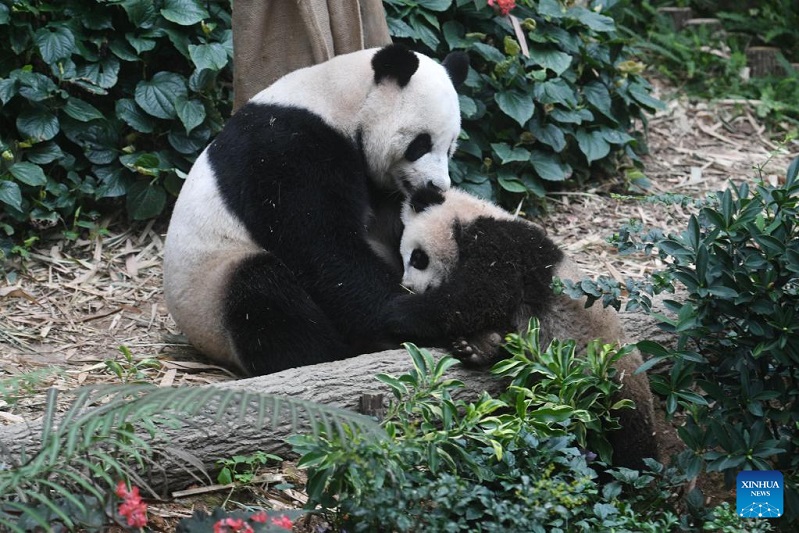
(111, 433)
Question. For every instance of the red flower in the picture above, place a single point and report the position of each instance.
(232, 525)
(284, 522)
(132, 508)
(503, 7)
(259, 517)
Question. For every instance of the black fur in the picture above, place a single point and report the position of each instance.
(509, 256)
(424, 197)
(457, 65)
(318, 292)
(395, 61)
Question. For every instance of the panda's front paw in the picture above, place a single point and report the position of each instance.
(479, 351)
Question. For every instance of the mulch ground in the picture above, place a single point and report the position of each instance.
(68, 307)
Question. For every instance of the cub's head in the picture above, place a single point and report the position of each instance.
(433, 222)
(410, 121)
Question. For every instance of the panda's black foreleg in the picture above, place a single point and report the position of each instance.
(274, 323)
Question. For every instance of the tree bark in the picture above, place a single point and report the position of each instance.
(202, 441)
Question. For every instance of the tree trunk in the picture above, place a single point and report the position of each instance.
(341, 383)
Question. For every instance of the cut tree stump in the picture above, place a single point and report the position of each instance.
(679, 15)
(714, 25)
(763, 61)
(345, 384)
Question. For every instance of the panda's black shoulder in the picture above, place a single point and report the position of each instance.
(280, 132)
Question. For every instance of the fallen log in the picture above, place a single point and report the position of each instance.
(184, 452)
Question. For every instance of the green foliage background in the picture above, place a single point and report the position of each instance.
(103, 100)
(110, 101)
(567, 111)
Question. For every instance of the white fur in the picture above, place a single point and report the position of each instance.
(342, 92)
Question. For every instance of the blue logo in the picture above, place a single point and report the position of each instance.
(759, 494)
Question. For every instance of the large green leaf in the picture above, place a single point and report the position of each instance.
(28, 173)
(10, 194)
(595, 21)
(555, 91)
(80, 110)
(38, 124)
(548, 166)
(190, 112)
(4, 17)
(54, 42)
(140, 44)
(43, 153)
(592, 144)
(549, 134)
(157, 96)
(8, 89)
(517, 105)
(556, 61)
(145, 200)
(508, 154)
(103, 74)
(141, 13)
(184, 12)
(598, 96)
(435, 5)
(641, 95)
(208, 56)
(550, 9)
(131, 113)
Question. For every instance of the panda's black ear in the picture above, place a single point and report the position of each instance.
(457, 65)
(395, 61)
(424, 197)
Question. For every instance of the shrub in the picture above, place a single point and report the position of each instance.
(567, 111)
(511, 464)
(105, 100)
(734, 373)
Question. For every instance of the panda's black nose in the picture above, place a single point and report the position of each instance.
(431, 185)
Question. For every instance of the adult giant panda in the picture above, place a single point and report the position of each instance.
(448, 234)
(272, 254)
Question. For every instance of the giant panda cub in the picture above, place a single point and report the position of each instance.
(449, 233)
(279, 252)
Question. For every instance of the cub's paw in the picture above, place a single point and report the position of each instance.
(479, 351)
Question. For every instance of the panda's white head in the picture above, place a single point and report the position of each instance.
(409, 123)
(432, 220)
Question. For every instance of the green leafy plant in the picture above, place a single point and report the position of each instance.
(734, 371)
(566, 111)
(242, 468)
(488, 465)
(130, 370)
(105, 100)
(557, 386)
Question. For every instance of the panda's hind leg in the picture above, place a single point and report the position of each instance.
(273, 322)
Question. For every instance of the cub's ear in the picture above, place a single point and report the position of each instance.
(424, 197)
(395, 61)
(457, 65)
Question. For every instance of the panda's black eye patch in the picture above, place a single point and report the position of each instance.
(419, 259)
(420, 146)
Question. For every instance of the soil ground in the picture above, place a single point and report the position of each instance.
(69, 306)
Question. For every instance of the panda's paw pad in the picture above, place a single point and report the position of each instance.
(468, 353)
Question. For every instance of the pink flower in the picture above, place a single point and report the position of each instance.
(284, 522)
(232, 525)
(503, 7)
(259, 517)
(132, 508)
